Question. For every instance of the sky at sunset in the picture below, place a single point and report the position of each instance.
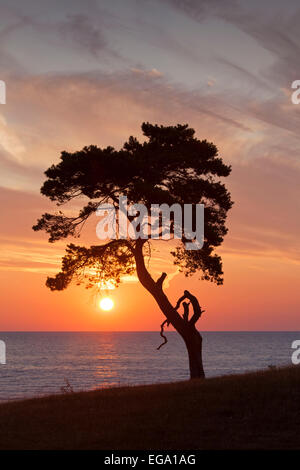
(80, 73)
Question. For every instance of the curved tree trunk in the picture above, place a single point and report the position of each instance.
(193, 342)
(185, 328)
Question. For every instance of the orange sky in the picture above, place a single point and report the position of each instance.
(70, 86)
(260, 290)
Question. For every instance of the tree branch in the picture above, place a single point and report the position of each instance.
(186, 307)
(161, 279)
(195, 304)
(162, 333)
(179, 302)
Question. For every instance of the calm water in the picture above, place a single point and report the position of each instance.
(39, 363)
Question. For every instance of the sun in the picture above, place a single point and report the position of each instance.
(106, 304)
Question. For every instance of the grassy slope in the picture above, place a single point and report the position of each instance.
(258, 410)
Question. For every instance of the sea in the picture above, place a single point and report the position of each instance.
(43, 363)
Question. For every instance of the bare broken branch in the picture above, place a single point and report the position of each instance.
(161, 279)
(195, 304)
(162, 333)
(186, 307)
(179, 301)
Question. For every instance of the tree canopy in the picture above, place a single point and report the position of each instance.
(171, 166)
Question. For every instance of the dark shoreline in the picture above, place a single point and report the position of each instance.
(258, 410)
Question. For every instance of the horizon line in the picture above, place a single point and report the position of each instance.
(145, 331)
